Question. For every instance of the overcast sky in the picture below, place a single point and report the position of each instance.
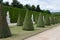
(52, 5)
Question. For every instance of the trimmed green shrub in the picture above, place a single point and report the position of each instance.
(21, 18)
(52, 21)
(28, 25)
(47, 19)
(40, 22)
(4, 29)
(57, 19)
(5, 10)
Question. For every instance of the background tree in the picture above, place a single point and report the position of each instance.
(6, 3)
(38, 8)
(28, 6)
(48, 12)
(33, 8)
(4, 29)
(15, 3)
(37, 15)
(1, 1)
(20, 5)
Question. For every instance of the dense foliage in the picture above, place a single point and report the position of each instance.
(28, 25)
(4, 29)
(40, 22)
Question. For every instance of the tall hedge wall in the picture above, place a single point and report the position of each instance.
(14, 12)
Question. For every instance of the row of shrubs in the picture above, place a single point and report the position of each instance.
(43, 19)
(23, 18)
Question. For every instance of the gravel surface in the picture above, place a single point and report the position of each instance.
(52, 34)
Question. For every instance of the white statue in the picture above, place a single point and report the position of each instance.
(8, 18)
(32, 19)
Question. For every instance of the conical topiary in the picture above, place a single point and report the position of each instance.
(28, 25)
(58, 18)
(46, 19)
(40, 22)
(21, 19)
(52, 20)
(4, 29)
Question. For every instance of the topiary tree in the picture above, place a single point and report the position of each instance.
(28, 25)
(21, 17)
(47, 19)
(4, 29)
(19, 21)
(56, 19)
(52, 21)
(40, 22)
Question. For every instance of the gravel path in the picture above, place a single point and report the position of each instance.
(52, 34)
(12, 24)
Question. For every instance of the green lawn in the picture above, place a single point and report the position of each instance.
(19, 34)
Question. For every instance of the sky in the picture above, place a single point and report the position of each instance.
(52, 5)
